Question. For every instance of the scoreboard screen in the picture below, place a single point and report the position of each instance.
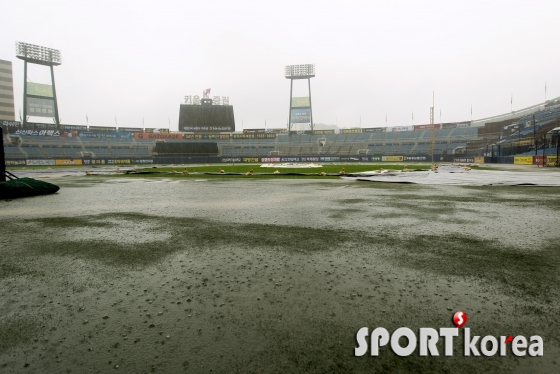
(206, 118)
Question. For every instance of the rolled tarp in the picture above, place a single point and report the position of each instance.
(25, 187)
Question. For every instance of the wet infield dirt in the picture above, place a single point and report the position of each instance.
(271, 276)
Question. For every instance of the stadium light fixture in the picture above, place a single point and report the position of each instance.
(38, 55)
(299, 71)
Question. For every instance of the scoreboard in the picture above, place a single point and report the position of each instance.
(206, 118)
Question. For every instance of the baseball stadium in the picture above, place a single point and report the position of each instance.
(498, 139)
(163, 251)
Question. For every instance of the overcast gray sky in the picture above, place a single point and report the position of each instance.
(137, 59)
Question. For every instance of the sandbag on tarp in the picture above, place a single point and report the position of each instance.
(25, 187)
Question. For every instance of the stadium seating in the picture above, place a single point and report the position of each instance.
(374, 143)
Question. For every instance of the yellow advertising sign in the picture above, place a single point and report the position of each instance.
(392, 158)
(523, 160)
(479, 160)
(68, 162)
(550, 160)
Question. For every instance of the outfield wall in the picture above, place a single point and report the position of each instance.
(517, 160)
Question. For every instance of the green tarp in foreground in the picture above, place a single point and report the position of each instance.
(25, 187)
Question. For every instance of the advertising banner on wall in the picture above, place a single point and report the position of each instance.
(87, 161)
(426, 127)
(464, 159)
(37, 132)
(143, 160)
(154, 130)
(349, 158)
(399, 128)
(374, 129)
(350, 131)
(10, 124)
(38, 89)
(40, 126)
(39, 162)
(323, 132)
(118, 161)
(455, 125)
(270, 159)
(253, 131)
(105, 134)
(523, 160)
(87, 134)
(301, 116)
(329, 159)
(100, 128)
(392, 158)
(254, 136)
(541, 160)
(415, 158)
(15, 163)
(107, 161)
(480, 160)
(40, 107)
(206, 136)
(69, 134)
(144, 135)
(269, 131)
(68, 162)
(130, 129)
(551, 160)
(231, 159)
(73, 127)
(289, 159)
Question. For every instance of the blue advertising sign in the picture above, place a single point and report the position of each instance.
(301, 116)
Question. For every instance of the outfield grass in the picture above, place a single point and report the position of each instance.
(329, 168)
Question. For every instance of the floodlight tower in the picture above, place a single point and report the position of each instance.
(42, 98)
(292, 72)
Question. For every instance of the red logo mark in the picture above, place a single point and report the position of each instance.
(459, 319)
(508, 339)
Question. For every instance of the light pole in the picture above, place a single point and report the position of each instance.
(293, 72)
(41, 99)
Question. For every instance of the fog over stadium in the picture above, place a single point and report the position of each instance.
(132, 62)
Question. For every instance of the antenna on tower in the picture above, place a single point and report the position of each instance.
(432, 129)
(432, 109)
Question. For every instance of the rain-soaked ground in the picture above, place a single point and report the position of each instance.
(271, 276)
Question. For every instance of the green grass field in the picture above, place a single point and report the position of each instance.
(243, 168)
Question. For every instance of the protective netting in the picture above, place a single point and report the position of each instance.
(25, 187)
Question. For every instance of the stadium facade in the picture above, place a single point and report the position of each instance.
(513, 137)
(7, 112)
